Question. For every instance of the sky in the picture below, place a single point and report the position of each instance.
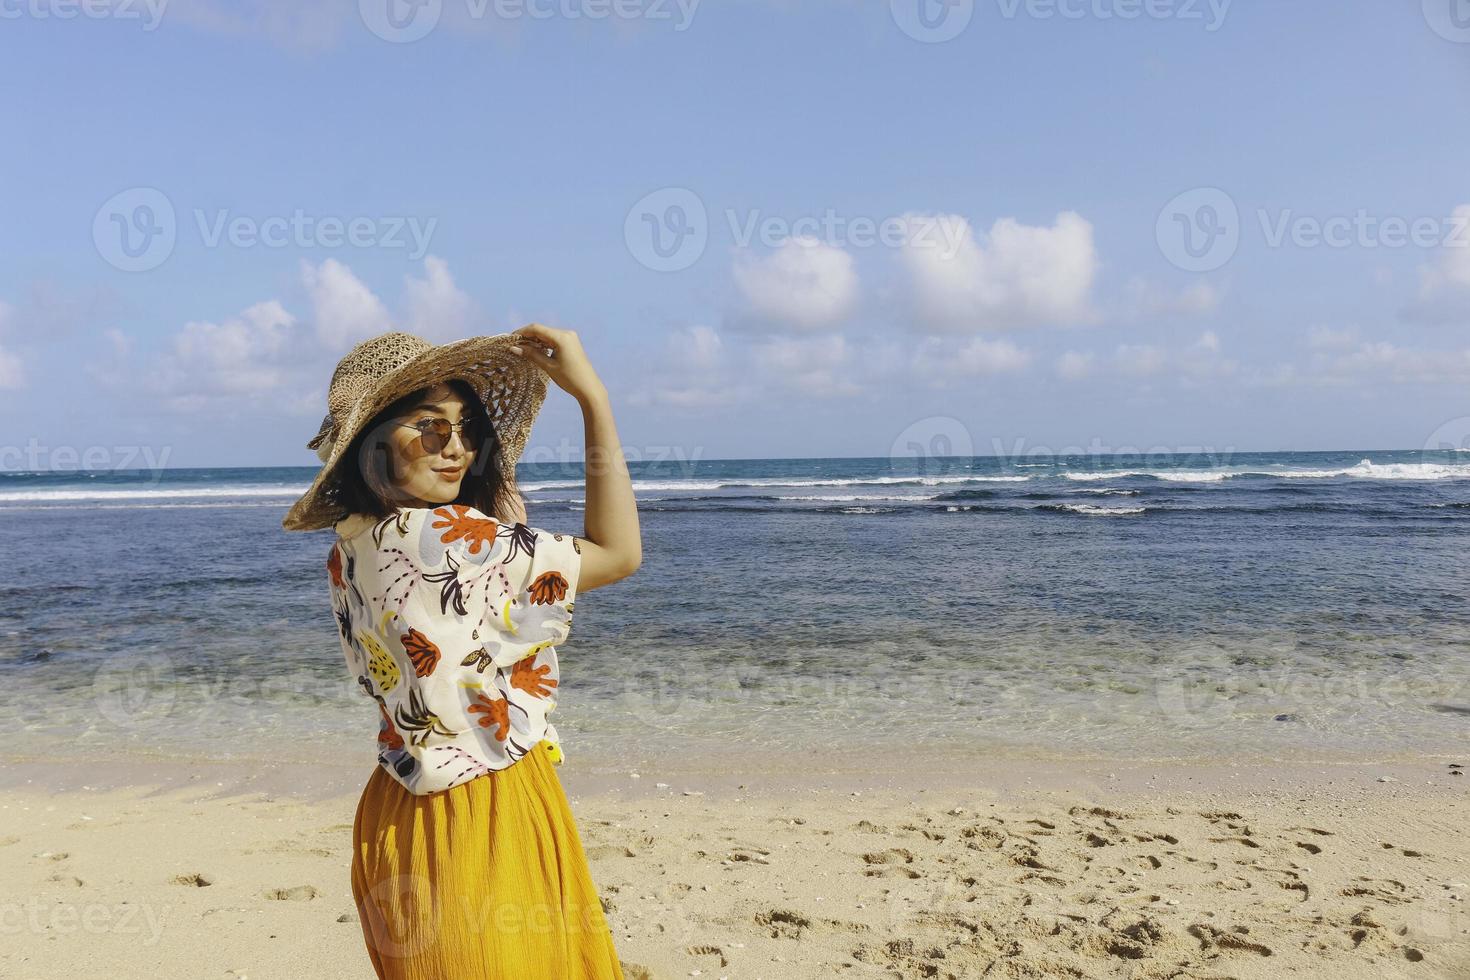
(780, 229)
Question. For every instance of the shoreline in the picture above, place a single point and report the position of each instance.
(1004, 768)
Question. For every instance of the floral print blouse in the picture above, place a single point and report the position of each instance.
(449, 620)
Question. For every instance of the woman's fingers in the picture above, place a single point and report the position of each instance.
(540, 332)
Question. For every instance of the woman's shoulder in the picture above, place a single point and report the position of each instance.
(447, 524)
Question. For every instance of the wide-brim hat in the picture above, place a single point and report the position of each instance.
(382, 369)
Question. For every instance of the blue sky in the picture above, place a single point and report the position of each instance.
(781, 229)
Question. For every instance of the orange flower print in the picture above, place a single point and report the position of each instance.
(475, 531)
(549, 587)
(334, 565)
(422, 651)
(532, 679)
(496, 712)
(388, 736)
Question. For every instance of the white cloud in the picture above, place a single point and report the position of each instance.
(1444, 284)
(938, 360)
(1146, 299)
(1073, 365)
(817, 366)
(698, 348)
(1016, 275)
(804, 283)
(1381, 361)
(12, 373)
(437, 309)
(1325, 338)
(693, 373)
(300, 25)
(344, 310)
(1201, 360)
(250, 355)
(1141, 360)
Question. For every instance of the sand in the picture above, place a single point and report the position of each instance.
(1140, 870)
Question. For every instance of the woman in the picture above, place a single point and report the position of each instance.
(466, 859)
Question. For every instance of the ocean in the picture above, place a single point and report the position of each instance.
(1247, 605)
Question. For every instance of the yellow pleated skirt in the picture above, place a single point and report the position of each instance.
(487, 879)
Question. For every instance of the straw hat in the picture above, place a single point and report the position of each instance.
(384, 368)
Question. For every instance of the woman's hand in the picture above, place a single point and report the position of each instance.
(566, 363)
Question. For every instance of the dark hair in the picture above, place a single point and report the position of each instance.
(364, 482)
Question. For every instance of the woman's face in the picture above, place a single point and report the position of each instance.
(426, 469)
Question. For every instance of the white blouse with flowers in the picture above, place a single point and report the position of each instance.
(449, 620)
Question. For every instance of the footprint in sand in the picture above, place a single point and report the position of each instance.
(894, 855)
(1213, 938)
(70, 880)
(301, 893)
(1383, 889)
(890, 863)
(783, 923)
(714, 951)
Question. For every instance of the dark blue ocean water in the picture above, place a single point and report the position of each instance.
(1300, 603)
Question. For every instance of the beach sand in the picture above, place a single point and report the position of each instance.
(1003, 870)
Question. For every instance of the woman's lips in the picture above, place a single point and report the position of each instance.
(450, 474)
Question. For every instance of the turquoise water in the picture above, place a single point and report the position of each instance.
(1256, 603)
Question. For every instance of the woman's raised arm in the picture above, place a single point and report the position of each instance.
(612, 546)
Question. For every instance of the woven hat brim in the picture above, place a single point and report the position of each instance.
(512, 388)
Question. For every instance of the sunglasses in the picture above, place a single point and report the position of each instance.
(434, 433)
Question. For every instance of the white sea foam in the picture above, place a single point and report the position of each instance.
(158, 493)
(925, 481)
(1365, 469)
(1092, 510)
